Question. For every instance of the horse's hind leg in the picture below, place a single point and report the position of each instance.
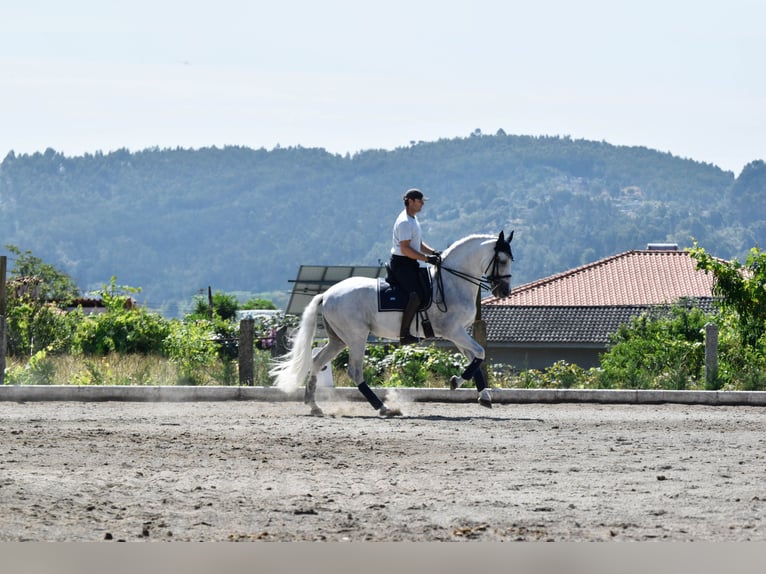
(356, 372)
(309, 395)
(324, 356)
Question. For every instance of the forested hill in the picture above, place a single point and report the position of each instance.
(173, 221)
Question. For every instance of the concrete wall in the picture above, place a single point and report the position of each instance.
(541, 357)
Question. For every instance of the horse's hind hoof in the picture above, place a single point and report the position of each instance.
(389, 412)
(485, 398)
(316, 411)
(485, 403)
(455, 382)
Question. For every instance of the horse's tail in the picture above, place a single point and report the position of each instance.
(291, 370)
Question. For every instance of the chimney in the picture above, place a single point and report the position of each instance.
(662, 247)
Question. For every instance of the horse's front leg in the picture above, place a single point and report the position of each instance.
(475, 354)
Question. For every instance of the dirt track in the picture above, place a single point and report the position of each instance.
(246, 470)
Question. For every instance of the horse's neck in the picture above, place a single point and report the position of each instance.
(469, 257)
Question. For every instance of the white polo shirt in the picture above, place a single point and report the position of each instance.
(406, 227)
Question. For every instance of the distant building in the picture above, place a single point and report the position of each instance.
(569, 316)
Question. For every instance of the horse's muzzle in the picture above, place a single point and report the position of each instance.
(501, 289)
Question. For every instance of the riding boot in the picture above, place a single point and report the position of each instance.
(405, 338)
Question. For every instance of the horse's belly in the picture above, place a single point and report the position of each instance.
(352, 304)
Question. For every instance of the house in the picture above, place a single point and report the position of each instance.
(569, 316)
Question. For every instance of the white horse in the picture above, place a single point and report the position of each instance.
(350, 311)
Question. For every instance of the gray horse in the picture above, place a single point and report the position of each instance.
(351, 315)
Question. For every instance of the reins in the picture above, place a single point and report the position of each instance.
(483, 282)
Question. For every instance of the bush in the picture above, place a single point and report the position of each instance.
(662, 350)
(191, 346)
(121, 331)
(34, 326)
(394, 366)
(740, 367)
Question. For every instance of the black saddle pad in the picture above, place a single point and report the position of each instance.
(391, 297)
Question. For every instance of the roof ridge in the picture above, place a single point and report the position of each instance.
(562, 274)
(636, 276)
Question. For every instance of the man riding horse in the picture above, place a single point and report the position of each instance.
(407, 250)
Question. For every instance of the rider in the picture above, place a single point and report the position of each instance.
(407, 250)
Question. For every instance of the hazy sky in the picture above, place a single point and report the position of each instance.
(686, 77)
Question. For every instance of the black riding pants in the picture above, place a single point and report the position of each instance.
(406, 272)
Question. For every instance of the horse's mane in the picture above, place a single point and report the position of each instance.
(457, 244)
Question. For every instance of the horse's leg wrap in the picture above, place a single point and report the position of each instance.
(370, 395)
(472, 369)
(308, 393)
(478, 378)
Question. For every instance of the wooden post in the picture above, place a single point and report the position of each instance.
(246, 365)
(210, 302)
(711, 356)
(3, 309)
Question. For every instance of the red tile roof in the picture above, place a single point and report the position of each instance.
(652, 277)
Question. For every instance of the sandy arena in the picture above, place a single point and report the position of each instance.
(263, 471)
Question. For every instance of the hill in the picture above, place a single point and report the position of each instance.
(174, 221)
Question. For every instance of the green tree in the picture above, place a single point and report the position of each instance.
(259, 303)
(225, 306)
(55, 285)
(741, 288)
(35, 321)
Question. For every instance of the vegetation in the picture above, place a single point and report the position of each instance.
(242, 221)
(129, 345)
(177, 221)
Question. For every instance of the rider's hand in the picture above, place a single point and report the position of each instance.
(433, 259)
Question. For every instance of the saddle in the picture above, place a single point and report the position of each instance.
(391, 296)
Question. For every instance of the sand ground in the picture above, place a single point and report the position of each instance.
(263, 471)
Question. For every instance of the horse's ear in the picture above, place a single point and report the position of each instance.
(510, 237)
(501, 237)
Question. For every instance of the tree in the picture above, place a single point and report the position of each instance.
(225, 306)
(259, 303)
(35, 321)
(55, 285)
(741, 288)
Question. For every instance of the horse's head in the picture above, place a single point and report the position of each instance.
(499, 269)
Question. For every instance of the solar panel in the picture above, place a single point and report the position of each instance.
(315, 279)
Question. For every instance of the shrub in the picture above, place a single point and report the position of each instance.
(658, 350)
(395, 366)
(191, 346)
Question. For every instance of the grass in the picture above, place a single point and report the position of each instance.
(152, 370)
(116, 369)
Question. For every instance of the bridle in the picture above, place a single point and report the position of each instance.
(488, 281)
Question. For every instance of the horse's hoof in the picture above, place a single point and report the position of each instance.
(389, 412)
(455, 382)
(485, 398)
(316, 411)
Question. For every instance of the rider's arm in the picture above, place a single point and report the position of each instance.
(412, 253)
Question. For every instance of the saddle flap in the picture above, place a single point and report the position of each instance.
(391, 297)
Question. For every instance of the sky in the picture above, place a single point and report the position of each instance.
(680, 76)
